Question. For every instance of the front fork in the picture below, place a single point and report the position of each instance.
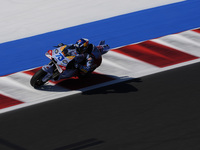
(51, 70)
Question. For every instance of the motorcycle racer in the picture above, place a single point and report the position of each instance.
(88, 56)
(72, 60)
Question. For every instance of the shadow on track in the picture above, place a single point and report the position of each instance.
(122, 87)
(92, 80)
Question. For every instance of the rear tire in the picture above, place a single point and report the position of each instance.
(36, 80)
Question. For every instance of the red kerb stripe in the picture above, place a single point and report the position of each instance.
(155, 54)
(33, 71)
(197, 30)
(7, 101)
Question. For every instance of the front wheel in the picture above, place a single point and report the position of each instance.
(36, 80)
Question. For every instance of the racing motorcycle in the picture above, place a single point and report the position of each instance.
(60, 62)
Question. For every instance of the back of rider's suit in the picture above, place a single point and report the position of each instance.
(93, 60)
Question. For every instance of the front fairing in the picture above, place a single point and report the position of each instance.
(58, 55)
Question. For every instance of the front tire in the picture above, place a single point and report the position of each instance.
(36, 80)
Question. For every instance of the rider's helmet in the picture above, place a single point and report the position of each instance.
(82, 45)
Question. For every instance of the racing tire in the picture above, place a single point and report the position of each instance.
(36, 80)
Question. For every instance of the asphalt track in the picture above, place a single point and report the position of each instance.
(156, 112)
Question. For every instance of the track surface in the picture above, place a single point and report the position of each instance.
(159, 111)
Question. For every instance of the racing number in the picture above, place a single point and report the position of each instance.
(60, 57)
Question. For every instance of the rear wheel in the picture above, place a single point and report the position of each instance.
(36, 80)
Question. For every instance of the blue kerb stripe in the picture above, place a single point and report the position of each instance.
(117, 31)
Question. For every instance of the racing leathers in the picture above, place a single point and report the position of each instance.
(93, 58)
